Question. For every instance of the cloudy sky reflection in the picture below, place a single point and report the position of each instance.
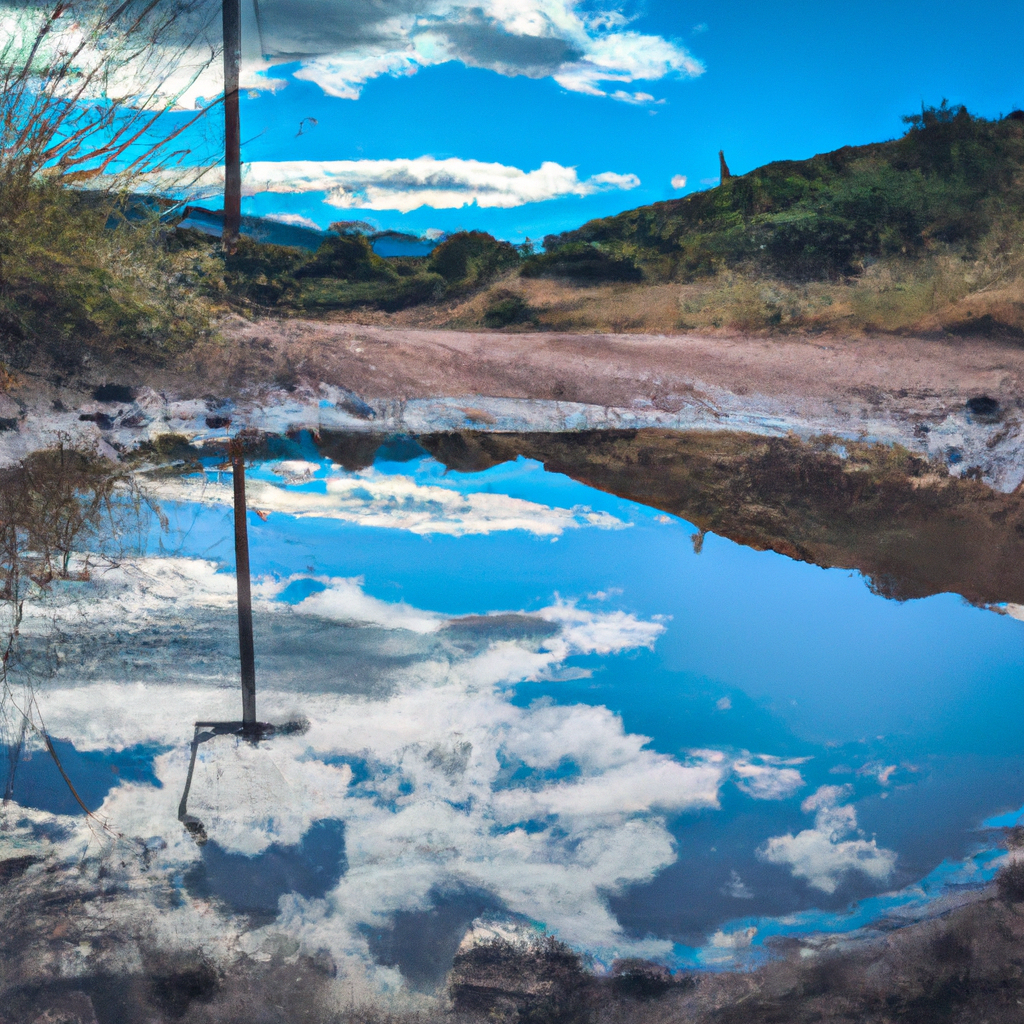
(533, 700)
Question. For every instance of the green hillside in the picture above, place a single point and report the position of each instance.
(947, 185)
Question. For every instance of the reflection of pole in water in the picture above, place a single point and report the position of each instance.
(250, 729)
(245, 648)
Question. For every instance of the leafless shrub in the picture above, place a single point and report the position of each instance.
(84, 85)
(86, 93)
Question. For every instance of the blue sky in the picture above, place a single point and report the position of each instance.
(599, 106)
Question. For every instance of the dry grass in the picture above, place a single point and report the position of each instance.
(942, 294)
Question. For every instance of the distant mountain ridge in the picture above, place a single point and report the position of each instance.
(271, 231)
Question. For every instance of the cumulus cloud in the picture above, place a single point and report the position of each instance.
(393, 501)
(679, 181)
(435, 804)
(764, 777)
(823, 855)
(344, 47)
(408, 184)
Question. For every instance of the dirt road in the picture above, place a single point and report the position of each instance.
(620, 370)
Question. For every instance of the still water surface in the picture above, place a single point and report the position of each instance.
(530, 703)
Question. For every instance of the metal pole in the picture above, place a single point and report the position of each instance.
(245, 650)
(232, 14)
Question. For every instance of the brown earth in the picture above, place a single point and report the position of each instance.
(611, 369)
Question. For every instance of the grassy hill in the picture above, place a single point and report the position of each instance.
(920, 223)
(949, 180)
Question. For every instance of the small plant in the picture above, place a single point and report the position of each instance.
(506, 308)
(347, 255)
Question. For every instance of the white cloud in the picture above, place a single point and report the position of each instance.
(722, 947)
(822, 855)
(183, 67)
(639, 99)
(626, 57)
(344, 76)
(296, 219)
(536, 38)
(341, 47)
(372, 498)
(408, 184)
(764, 777)
(679, 181)
(601, 633)
(345, 601)
(652, 781)
(435, 809)
(736, 887)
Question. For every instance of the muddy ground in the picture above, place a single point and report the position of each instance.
(621, 369)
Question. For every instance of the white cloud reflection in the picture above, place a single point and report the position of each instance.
(823, 855)
(547, 807)
(372, 498)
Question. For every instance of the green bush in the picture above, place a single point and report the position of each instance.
(472, 258)
(77, 276)
(507, 308)
(347, 255)
(262, 273)
(582, 263)
(949, 181)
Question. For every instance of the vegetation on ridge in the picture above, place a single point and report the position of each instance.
(891, 233)
(948, 181)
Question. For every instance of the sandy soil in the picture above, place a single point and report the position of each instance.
(620, 369)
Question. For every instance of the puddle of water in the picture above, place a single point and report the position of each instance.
(34, 779)
(253, 885)
(529, 701)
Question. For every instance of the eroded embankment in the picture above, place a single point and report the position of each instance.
(958, 403)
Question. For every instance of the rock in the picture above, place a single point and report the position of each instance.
(101, 419)
(984, 409)
(355, 406)
(114, 393)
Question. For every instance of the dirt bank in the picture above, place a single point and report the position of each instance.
(913, 374)
(277, 375)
